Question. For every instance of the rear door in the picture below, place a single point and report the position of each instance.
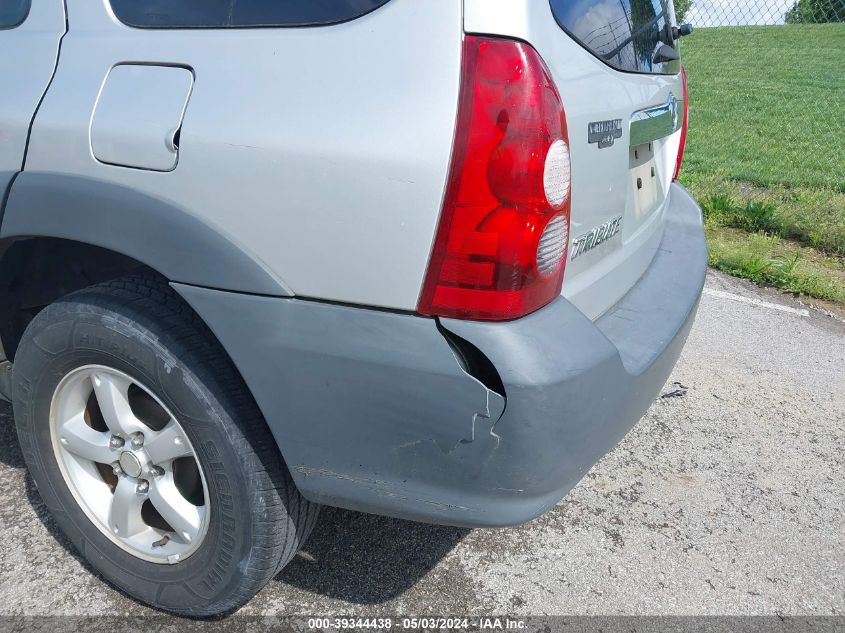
(29, 46)
(621, 88)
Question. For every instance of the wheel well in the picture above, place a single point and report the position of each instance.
(35, 272)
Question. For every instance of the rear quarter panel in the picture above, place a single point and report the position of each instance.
(321, 151)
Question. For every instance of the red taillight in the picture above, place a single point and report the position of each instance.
(500, 248)
(684, 125)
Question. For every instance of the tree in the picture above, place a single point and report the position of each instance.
(644, 30)
(816, 12)
(681, 9)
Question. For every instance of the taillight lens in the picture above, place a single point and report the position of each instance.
(684, 125)
(500, 248)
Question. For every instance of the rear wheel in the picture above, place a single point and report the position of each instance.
(150, 452)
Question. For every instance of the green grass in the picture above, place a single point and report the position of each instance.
(770, 261)
(766, 152)
(814, 217)
(767, 104)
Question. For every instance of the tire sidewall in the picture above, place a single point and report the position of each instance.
(70, 334)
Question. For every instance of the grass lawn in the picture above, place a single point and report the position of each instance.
(772, 261)
(766, 150)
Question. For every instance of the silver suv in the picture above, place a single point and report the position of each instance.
(421, 259)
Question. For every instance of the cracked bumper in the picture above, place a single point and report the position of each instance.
(373, 412)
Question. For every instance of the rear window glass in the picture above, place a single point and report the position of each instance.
(627, 34)
(13, 12)
(239, 13)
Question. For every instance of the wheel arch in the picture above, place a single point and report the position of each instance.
(60, 233)
(183, 246)
(36, 271)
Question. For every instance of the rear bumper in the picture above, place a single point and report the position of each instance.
(373, 411)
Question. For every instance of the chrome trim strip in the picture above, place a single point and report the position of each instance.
(656, 122)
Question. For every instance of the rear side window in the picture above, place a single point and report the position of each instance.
(13, 12)
(627, 34)
(239, 13)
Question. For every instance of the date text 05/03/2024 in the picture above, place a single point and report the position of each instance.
(418, 623)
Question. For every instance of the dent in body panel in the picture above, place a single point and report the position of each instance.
(375, 411)
(345, 388)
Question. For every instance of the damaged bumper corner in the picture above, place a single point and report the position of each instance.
(458, 422)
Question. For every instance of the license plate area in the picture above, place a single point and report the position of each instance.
(645, 183)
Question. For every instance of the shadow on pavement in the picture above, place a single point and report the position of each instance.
(10, 451)
(367, 559)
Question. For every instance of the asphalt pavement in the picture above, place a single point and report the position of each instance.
(727, 499)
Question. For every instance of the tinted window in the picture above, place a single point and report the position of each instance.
(239, 13)
(13, 12)
(626, 34)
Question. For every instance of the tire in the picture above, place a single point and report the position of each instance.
(252, 517)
